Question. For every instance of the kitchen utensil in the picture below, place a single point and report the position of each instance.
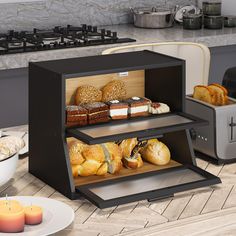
(156, 18)
(185, 9)
(56, 216)
(192, 21)
(230, 21)
(216, 141)
(211, 8)
(213, 22)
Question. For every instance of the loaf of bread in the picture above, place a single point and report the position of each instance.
(99, 159)
(114, 90)
(156, 153)
(214, 94)
(87, 94)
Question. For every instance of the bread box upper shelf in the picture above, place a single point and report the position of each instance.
(158, 77)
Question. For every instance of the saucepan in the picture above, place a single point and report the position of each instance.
(156, 18)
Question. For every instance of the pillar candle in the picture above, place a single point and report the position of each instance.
(33, 215)
(12, 218)
(9, 202)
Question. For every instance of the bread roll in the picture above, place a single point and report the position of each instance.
(114, 90)
(156, 153)
(87, 94)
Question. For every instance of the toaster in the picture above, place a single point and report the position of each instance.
(217, 141)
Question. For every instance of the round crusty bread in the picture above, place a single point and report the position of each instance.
(114, 90)
(156, 153)
(87, 94)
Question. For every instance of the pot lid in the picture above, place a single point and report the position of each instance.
(152, 10)
(191, 9)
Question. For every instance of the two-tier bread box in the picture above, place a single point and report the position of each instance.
(160, 78)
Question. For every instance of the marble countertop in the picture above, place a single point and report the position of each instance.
(211, 38)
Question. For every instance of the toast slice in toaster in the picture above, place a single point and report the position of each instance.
(220, 93)
(204, 94)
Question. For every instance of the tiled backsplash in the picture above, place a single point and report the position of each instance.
(48, 13)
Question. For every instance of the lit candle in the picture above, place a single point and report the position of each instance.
(33, 215)
(12, 218)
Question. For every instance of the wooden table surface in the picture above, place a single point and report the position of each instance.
(207, 211)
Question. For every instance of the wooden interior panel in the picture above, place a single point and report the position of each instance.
(134, 83)
(147, 167)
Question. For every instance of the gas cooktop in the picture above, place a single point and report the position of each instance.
(57, 38)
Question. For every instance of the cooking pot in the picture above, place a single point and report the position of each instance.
(156, 18)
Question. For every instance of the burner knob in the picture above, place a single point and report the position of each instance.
(114, 35)
(103, 31)
(89, 28)
(84, 27)
(11, 32)
(108, 33)
(95, 29)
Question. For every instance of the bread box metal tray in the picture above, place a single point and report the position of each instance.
(158, 77)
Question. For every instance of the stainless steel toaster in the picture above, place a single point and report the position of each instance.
(216, 141)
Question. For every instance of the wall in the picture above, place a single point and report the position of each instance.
(48, 13)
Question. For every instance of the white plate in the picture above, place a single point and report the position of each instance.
(56, 216)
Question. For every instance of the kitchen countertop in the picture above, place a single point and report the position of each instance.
(211, 38)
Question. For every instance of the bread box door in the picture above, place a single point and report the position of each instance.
(151, 186)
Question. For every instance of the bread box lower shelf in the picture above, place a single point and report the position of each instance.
(152, 185)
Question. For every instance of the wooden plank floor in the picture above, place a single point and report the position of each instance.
(207, 211)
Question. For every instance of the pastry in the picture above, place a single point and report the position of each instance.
(99, 159)
(156, 153)
(113, 156)
(130, 152)
(133, 162)
(76, 115)
(138, 106)
(75, 148)
(118, 109)
(114, 90)
(87, 94)
(127, 146)
(97, 112)
(158, 108)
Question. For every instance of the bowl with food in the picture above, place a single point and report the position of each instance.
(9, 148)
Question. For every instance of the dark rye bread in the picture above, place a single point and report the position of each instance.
(97, 112)
(76, 115)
